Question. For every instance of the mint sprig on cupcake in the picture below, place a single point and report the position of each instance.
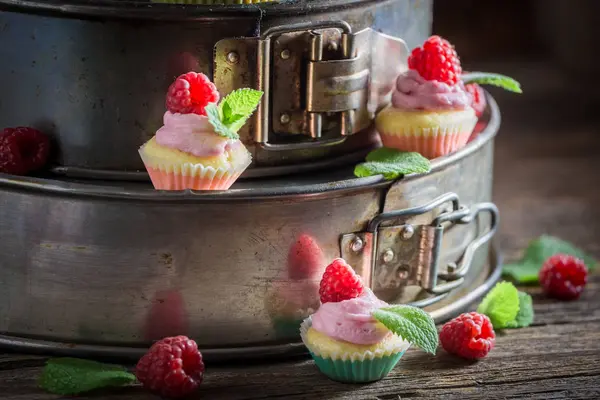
(434, 107)
(340, 283)
(178, 157)
(356, 337)
(498, 80)
(233, 111)
(410, 323)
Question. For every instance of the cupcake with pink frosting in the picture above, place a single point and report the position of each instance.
(431, 112)
(198, 146)
(355, 337)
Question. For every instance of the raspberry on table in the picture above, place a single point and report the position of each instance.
(172, 368)
(436, 60)
(469, 335)
(23, 150)
(190, 93)
(340, 283)
(563, 277)
(478, 95)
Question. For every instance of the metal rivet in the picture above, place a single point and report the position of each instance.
(285, 54)
(388, 256)
(357, 244)
(284, 118)
(233, 57)
(403, 271)
(407, 232)
(332, 46)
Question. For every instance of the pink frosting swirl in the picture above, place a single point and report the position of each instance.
(413, 92)
(351, 320)
(192, 134)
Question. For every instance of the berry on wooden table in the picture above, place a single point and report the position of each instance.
(469, 336)
(340, 283)
(172, 368)
(436, 60)
(563, 277)
(190, 93)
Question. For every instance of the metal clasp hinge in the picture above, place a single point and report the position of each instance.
(321, 81)
(324, 97)
(393, 256)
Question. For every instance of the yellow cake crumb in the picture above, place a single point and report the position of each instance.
(155, 153)
(324, 346)
(392, 120)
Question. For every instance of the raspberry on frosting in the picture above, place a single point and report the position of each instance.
(190, 93)
(340, 282)
(436, 60)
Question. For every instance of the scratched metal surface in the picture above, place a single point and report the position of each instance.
(93, 75)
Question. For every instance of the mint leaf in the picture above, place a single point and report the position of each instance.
(410, 323)
(238, 106)
(525, 315)
(525, 272)
(547, 246)
(392, 164)
(214, 117)
(538, 251)
(501, 304)
(69, 376)
(484, 78)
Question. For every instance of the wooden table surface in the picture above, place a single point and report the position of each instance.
(546, 181)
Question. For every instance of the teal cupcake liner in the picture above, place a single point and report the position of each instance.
(346, 371)
(355, 367)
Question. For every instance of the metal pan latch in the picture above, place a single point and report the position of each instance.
(317, 78)
(393, 253)
(322, 81)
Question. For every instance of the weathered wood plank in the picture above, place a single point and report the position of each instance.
(550, 360)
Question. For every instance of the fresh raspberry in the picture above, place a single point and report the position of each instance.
(190, 93)
(469, 335)
(479, 103)
(563, 277)
(340, 283)
(436, 60)
(172, 367)
(305, 258)
(23, 150)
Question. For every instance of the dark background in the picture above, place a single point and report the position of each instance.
(564, 31)
(547, 166)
